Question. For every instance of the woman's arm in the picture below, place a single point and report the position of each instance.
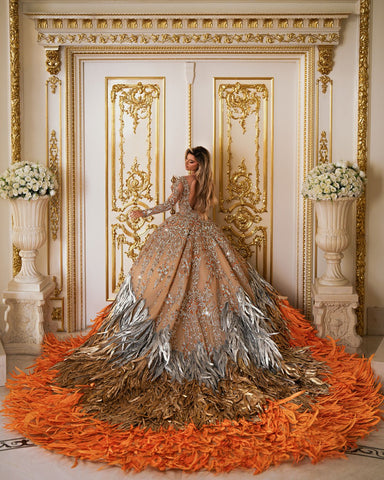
(177, 190)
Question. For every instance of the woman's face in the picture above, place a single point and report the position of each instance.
(191, 164)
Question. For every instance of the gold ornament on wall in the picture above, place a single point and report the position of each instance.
(54, 204)
(362, 155)
(134, 106)
(243, 188)
(53, 82)
(53, 62)
(325, 64)
(323, 148)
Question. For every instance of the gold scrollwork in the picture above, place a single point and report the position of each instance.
(14, 53)
(53, 61)
(325, 64)
(216, 38)
(54, 204)
(362, 129)
(134, 184)
(243, 201)
(242, 100)
(53, 82)
(136, 101)
(323, 148)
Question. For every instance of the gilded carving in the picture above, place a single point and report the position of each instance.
(53, 82)
(132, 187)
(325, 64)
(136, 101)
(15, 79)
(132, 23)
(323, 148)
(72, 23)
(245, 38)
(57, 23)
(177, 23)
(237, 23)
(53, 62)
(14, 53)
(102, 23)
(57, 316)
(298, 23)
(146, 23)
(362, 130)
(54, 204)
(117, 23)
(16, 263)
(242, 100)
(243, 193)
(313, 23)
(42, 23)
(207, 23)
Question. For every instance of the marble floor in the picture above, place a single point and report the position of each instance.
(21, 460)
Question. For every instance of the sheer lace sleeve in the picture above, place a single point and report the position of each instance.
(177, 190)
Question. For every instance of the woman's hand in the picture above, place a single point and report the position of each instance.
(135, 214)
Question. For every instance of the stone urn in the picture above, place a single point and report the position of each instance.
(332, 237)
(29, 232)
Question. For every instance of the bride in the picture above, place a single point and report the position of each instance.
(197, 339)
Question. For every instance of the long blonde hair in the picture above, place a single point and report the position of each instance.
(205, 191)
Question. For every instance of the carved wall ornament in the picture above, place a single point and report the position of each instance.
(323, 148)
(362, 158)
(134, 109)
(243, 188)
(271, 29)
(54, 210)
(53, 61)
(53, 82)
(325, 64)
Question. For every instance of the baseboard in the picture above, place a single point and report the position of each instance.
(375, 321)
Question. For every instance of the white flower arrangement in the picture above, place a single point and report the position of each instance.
(330, 181)
(27, 180)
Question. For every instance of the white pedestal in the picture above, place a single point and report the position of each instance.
(334, 315)
(27, 318)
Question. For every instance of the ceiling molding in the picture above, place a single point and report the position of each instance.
(62, 30)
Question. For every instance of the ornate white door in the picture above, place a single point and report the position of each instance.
(137, 116)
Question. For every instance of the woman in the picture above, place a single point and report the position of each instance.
(197, 338)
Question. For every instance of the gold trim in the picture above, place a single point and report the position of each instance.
(245, 199)
(72, 314)
(189, 100)
(323, 148)
(362, 130)
(325, 64)
(53, 61)
(138, 100)
(14, 60)
(54, 82)
(54, 204)
(185, 38)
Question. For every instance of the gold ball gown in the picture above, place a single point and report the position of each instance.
(197, 364)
